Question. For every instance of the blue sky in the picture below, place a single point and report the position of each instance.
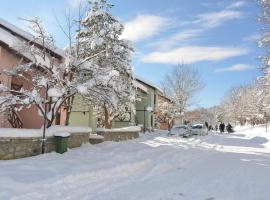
(216, 36)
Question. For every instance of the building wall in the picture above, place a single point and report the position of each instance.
(147, 100)
(82, 114)
(29, 116)
(7, 61)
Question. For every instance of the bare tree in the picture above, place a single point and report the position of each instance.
(245, 104)
(181, 85)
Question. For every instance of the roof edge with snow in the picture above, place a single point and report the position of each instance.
(16, 31)
(149, 83)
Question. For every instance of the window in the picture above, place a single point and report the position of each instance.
(58, 118)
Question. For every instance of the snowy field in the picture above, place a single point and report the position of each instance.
(153, 167)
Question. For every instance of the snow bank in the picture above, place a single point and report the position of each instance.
(126, 129)
(13, 132)
(155, 166)
(72, 129)
(96, 136)
(62, 134)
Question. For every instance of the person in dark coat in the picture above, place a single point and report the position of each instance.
(229, 128)
(206, 124)
(221, 127)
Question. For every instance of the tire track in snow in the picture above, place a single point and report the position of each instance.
(82, 184)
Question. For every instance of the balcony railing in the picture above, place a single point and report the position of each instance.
(14, 119)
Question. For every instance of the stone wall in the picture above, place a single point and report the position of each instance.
(118, 136)
(77, 139)
(19, 147)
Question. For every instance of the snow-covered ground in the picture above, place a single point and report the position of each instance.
(153, 167)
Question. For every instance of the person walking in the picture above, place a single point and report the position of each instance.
(229, 128)
(221, 127)
(206, 124)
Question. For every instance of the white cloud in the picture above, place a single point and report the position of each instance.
(214, 19)
(202, 23)
(193, 54)
(237, 67)
(175, 39)
(237, 4)
(144, 26)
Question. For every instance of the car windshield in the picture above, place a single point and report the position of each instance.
(197, 126)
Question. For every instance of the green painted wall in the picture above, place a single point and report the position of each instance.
(82, 114)
(148, 99)
(79, 118)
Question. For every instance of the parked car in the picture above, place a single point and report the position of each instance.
(199, 129)
(180, 130)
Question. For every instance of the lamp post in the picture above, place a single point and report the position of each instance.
(144, 120)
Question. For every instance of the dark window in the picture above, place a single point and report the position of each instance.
(57, 119)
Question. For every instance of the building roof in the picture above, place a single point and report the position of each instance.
(167, 97)
(11, 35)
(149, 83)
(140, 86)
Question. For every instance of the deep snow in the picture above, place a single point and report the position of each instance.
(17, 132)
(153, 167)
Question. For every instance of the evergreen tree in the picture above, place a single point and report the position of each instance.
(99, 39)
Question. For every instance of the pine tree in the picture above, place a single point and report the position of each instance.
(99, 38)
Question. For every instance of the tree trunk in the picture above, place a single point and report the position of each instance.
(69, 108)
(107, 121)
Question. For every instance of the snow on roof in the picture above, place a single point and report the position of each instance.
(24, 133)
(148, 83)
(6, 37)
(167, 97)
(140, 86)
(12, 41)
(27, 36)
(16, 44)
